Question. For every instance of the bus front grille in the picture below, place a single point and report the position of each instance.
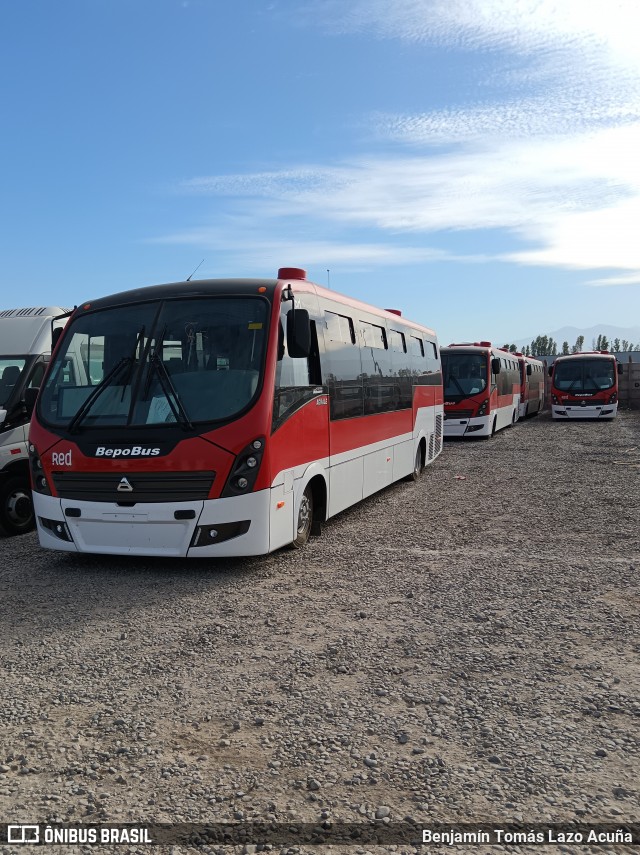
(458, 414)
(127, 488)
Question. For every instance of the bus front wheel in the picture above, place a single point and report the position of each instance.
(305, 519)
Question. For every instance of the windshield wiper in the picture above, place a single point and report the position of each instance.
(454, 379)
(97, 391)
(132, 359)
(591, 380)
(170, 392)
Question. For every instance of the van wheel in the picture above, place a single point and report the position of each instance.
(305, 519)
(16, 507)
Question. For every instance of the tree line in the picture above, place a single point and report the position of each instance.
(544, 345)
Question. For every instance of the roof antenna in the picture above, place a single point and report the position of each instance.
(189, 278)
(328, 279)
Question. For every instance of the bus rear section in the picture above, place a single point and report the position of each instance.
(585, 386)
(481, 389)
(531, 385)
(216, 418)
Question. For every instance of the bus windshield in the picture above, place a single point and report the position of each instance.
(465, 374)
(184, 361)
(584, 375)
(11, 367)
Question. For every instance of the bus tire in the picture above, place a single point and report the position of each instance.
(16, 507)
(305, 519)
(495, 423)
(418, 465)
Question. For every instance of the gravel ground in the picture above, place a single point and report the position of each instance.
(465, 649)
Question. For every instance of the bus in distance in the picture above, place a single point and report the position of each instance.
(531, 385)
(481, 389)
(585, 385)
(227, 417)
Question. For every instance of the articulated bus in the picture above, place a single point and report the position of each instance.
(227, 417)
(585, 386)
(481, 389)
(531, 385)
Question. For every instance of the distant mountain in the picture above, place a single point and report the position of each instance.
(570, 334)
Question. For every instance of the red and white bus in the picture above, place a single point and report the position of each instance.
(227, 417)
(531, 385)
(585, 386)
(481, 389)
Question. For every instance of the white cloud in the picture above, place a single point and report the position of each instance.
(576, 200)
(258, 252)
(630, 279)
(556, 169)
(519, 26)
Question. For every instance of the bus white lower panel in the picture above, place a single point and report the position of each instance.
(151, 528)
(404, 455)
(345, 485)
(378, 470)
(603, 411)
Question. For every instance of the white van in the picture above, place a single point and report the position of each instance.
(25, 350)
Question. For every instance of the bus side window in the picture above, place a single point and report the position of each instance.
(297, 371)
(343, 366)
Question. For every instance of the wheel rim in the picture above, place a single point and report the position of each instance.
(417, 466)
(304, 516)
(18, 508)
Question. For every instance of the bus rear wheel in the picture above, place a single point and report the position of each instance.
(305, 519)
(16, 507)
(418, 466)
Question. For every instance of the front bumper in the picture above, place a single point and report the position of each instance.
(156, 529)
(459, 427)
(577, 411)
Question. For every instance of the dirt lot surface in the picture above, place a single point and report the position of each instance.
(461, 650)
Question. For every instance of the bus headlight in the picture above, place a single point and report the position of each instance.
(38, 478)
(613, 398)
(245, 470)
(482, 409)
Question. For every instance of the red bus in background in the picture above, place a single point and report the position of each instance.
(481, 389)
(531, 385)
(585, 386)
(227, 417)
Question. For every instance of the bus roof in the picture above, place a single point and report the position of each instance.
(592, 354)
(245, 287)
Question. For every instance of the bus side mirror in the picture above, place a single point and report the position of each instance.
(55, 335)
(495, 365)
(529, 371)
(30, 396)
(620, 368)
(550, 370)
(298, 333)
